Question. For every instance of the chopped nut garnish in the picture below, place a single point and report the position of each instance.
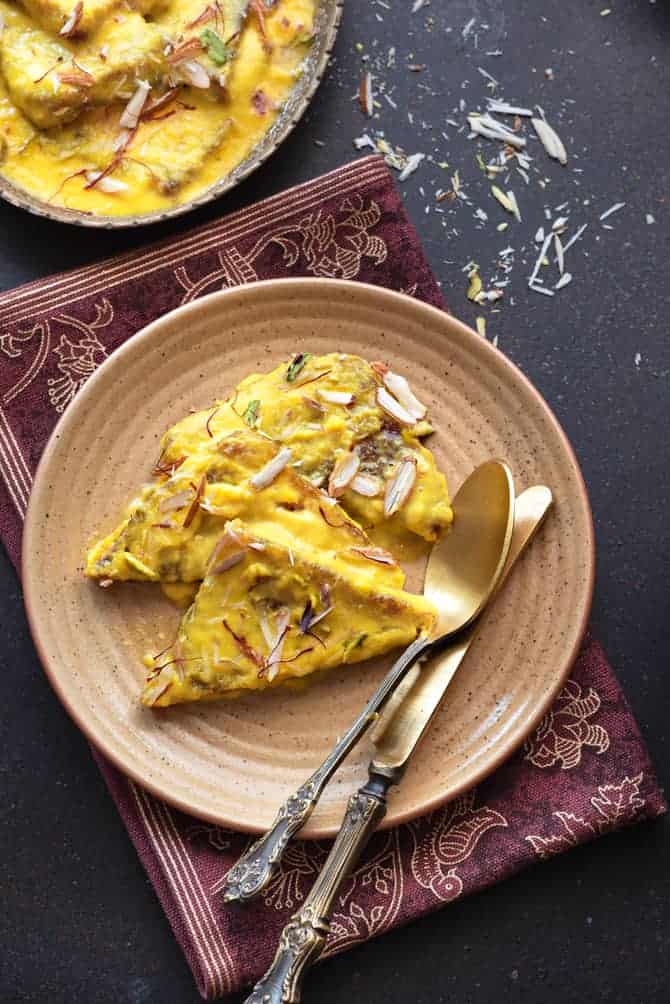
(336, 396)
(364, 484)
(173, 502)
(343, 473)
(195, 504)
(402, 391)
(399, 488)
(394, 408)
(267, 474)
(76, 77)
(74, 20)
(195, 74)
(192, 47)
(378, 554)
(131, 113)
(365, 96)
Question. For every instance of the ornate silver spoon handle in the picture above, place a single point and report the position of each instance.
(303, 939)
(251, 874)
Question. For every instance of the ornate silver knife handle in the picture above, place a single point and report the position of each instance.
(304, 937)
(254, 870)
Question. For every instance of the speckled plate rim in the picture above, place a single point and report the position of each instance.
(329, 17)
(430, 316)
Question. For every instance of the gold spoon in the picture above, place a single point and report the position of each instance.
(463, 572)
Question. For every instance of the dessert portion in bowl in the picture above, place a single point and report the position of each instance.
(127, 107)
(278, 515)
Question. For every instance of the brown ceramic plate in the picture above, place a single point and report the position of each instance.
(234, 762)
(327, 22)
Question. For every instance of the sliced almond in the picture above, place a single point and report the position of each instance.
(400, 486)
(365, 484)
(343, 473)
(393, 408)
(336, 396)
(195, 504)
(70, 27)
(195, 74)
(266, 629)
(486, 125)
(313, 405)
(366, 96)
(272, 670)
(378, 554)
(267, 474)
(232, 534)
(281, 630)
(560, 257)
(105, 184)
(131, 113)
(226, 563)
(76, 77)
(319, 617)
(402, 392)
(380, 368)
(122, 140)
(192, 47)
(214, 510)
(550, 140)
(173, 502)
(220, 561)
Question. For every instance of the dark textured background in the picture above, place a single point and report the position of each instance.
(79, 923)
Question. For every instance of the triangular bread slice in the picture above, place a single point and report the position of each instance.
(327, 409)
(172, 527)
(264, 615)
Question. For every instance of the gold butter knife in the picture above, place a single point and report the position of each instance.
(398, 734)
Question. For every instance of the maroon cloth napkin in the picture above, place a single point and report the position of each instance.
(583, 772)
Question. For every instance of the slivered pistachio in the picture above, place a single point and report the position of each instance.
(251, 413)
(296, 365)
(215, 47)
